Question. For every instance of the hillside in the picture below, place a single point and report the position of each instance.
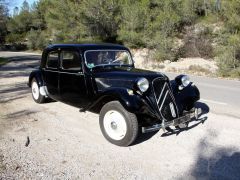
(205, 31)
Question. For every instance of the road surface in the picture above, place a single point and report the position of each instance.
(56, 141)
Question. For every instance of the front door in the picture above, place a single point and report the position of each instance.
(50, 74)
(71, 78)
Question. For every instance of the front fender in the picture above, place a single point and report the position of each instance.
(131, 101)
(186, 97)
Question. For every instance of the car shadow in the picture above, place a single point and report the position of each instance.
(144, 137)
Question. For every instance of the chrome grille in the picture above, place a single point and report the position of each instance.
(164, 99)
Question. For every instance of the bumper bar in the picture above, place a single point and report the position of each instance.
(183, 119)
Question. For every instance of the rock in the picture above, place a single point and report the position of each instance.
(28, 142)
(167, 62)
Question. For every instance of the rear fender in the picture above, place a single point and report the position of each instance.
(38, 76)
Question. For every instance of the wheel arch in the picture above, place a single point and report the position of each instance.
(37, 75)
(130, 102)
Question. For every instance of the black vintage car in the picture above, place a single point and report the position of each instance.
(102, 78)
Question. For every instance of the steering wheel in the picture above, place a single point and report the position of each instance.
(116, 60)
(108, 61)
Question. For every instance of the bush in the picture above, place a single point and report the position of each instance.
(15, 38)
(36, 40)
(198, 44)
(164, 48)
(228, 57)
(197, 68)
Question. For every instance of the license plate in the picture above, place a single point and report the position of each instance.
(182, 119)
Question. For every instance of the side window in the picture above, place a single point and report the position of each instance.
(52, 60)
(71, 60)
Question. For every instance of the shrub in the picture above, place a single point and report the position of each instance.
(164, 48)
(198, 44)
(197, 68)
(36, 40)
(228, 57)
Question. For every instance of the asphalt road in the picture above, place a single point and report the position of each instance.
(222, 96)
(56, 141)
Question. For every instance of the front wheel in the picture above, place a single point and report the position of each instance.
(37, 97)
(118, 126)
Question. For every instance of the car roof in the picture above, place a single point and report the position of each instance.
(88, 46)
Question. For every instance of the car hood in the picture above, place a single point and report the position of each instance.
(123, 77)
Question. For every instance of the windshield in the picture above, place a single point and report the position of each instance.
(95, 58)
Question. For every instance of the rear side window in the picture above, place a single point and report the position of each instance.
(52, 60)
(71, 60)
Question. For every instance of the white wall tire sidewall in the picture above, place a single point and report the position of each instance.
(35, 90)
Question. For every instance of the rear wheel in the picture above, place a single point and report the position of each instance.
(37, 97)
(118, 126)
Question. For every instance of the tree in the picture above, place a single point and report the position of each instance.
(102, 18)
(25, 6)
(15, 11)
(64, 20)
(3, 21)
(135, 19)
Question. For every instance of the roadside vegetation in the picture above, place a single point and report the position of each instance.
(2, 61)
(172, 29)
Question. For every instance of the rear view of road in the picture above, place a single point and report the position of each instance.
(56, 141)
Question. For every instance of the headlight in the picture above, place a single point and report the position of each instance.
(185, 80)
(143, 84)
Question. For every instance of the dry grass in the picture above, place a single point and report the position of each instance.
(199, 69)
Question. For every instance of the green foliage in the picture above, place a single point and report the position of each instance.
(36, 40)
(231, 15)
(134, 23)
(228, 56)
(3, 22)
(3, 61)
(154, 24)
(15, 38)
(101, 18)
(165, 48)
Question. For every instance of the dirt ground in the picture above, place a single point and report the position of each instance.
(56, 141)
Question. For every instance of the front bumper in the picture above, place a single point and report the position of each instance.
(183, 119)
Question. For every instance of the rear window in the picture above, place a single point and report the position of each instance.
(52, 60)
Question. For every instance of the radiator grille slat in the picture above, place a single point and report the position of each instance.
(164, 99)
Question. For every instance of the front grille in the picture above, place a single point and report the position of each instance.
(164, 99)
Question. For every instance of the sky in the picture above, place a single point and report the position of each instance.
(18, 3)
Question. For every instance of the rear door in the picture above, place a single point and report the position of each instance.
(71, 78)
(50, 73)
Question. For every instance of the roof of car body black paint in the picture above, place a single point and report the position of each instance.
(88, 46)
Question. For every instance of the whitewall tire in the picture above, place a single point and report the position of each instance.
(36, 95)
(118, 126)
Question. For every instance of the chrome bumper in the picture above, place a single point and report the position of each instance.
(183, 119)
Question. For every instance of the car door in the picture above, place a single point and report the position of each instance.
(50, 73)
(71, 78)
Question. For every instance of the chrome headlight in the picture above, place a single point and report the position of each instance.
(185, 80)
(143, 84)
